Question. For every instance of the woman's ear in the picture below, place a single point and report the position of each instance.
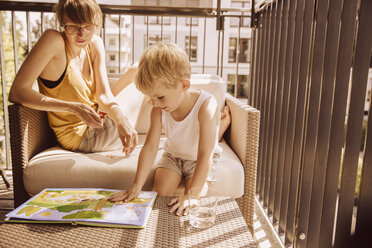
(185, 84)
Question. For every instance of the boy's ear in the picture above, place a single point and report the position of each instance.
(185, 83)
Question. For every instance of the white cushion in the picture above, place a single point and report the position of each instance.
(143, 119)
(58, 168)
(130, 100)
(229, 174)
(212, 84)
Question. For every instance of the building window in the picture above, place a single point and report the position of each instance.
(112, 71)
(112, 57)
(244, 50)
(156, 20)
(242, 91)
(234, 21)
(156, 38)
(193, 21)
(193, 48)
(112, 42)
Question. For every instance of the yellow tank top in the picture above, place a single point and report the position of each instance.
(74, 87)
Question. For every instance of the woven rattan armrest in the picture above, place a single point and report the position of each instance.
(243, 137)
(29, 135)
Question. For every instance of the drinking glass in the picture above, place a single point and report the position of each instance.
(203, 206)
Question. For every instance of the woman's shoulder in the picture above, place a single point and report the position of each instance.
(53, 37)
(52, 34)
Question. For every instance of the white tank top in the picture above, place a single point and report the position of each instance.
(183, 136)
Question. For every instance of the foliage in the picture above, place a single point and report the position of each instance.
(364, 130)
(362, 140)
(7, 43)
(359, 173)
(9, 70)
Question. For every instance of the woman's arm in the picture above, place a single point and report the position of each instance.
(106, 100)
(46, 57)
(125, 79)
(145, 160)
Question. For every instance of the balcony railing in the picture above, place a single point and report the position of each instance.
(127, 30)
(309, 79)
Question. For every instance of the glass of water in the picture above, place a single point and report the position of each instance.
(202, 206)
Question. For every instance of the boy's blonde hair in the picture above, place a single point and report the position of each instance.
(79, 11)
(162, 64)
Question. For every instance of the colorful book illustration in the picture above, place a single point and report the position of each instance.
(85, 206)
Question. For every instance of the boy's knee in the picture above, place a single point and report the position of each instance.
(162, 191)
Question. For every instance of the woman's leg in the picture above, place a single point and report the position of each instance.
(166, 181)
(225, 122)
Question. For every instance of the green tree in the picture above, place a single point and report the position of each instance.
(9, 69)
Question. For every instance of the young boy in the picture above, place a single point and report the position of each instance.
(190, 120)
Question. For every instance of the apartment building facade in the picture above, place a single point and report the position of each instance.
(197, 35)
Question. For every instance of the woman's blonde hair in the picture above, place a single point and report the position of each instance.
(162, 64)
(79, 11)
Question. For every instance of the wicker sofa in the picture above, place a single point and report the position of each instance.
(38, 162)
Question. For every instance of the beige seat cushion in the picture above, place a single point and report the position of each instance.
(229, 174)
(58, 168)
(212, 84)
(130, 100)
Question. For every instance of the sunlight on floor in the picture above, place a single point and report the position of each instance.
(260, 234)
(263, 231)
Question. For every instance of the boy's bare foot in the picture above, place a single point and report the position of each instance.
(225, 122)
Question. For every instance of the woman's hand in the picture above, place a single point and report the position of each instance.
(88, 115)
(128, 135)
(181, 204)
(126, 195)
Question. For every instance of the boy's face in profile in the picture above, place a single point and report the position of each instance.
(167, 99)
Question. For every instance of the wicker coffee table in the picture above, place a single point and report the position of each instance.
(163, 230)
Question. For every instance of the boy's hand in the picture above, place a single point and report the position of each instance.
(181, 204)
(125, 195)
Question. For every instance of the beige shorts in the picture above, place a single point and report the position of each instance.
(184, 168)
(101, 139)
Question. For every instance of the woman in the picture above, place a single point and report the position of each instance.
(71, 73)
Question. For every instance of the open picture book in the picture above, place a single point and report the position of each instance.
(85, 206)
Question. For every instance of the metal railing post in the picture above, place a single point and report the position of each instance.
(5, 98)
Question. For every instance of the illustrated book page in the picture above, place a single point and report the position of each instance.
(88, 206)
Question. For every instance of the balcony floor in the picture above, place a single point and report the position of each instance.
(262, 231)
(6, 196)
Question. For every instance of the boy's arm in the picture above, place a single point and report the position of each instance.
(208, 115)
(149, 149)
(145, 160)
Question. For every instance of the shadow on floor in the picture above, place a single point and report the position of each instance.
(262, 232)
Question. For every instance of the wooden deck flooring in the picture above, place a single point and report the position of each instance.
(6, 196)
(263, 234)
